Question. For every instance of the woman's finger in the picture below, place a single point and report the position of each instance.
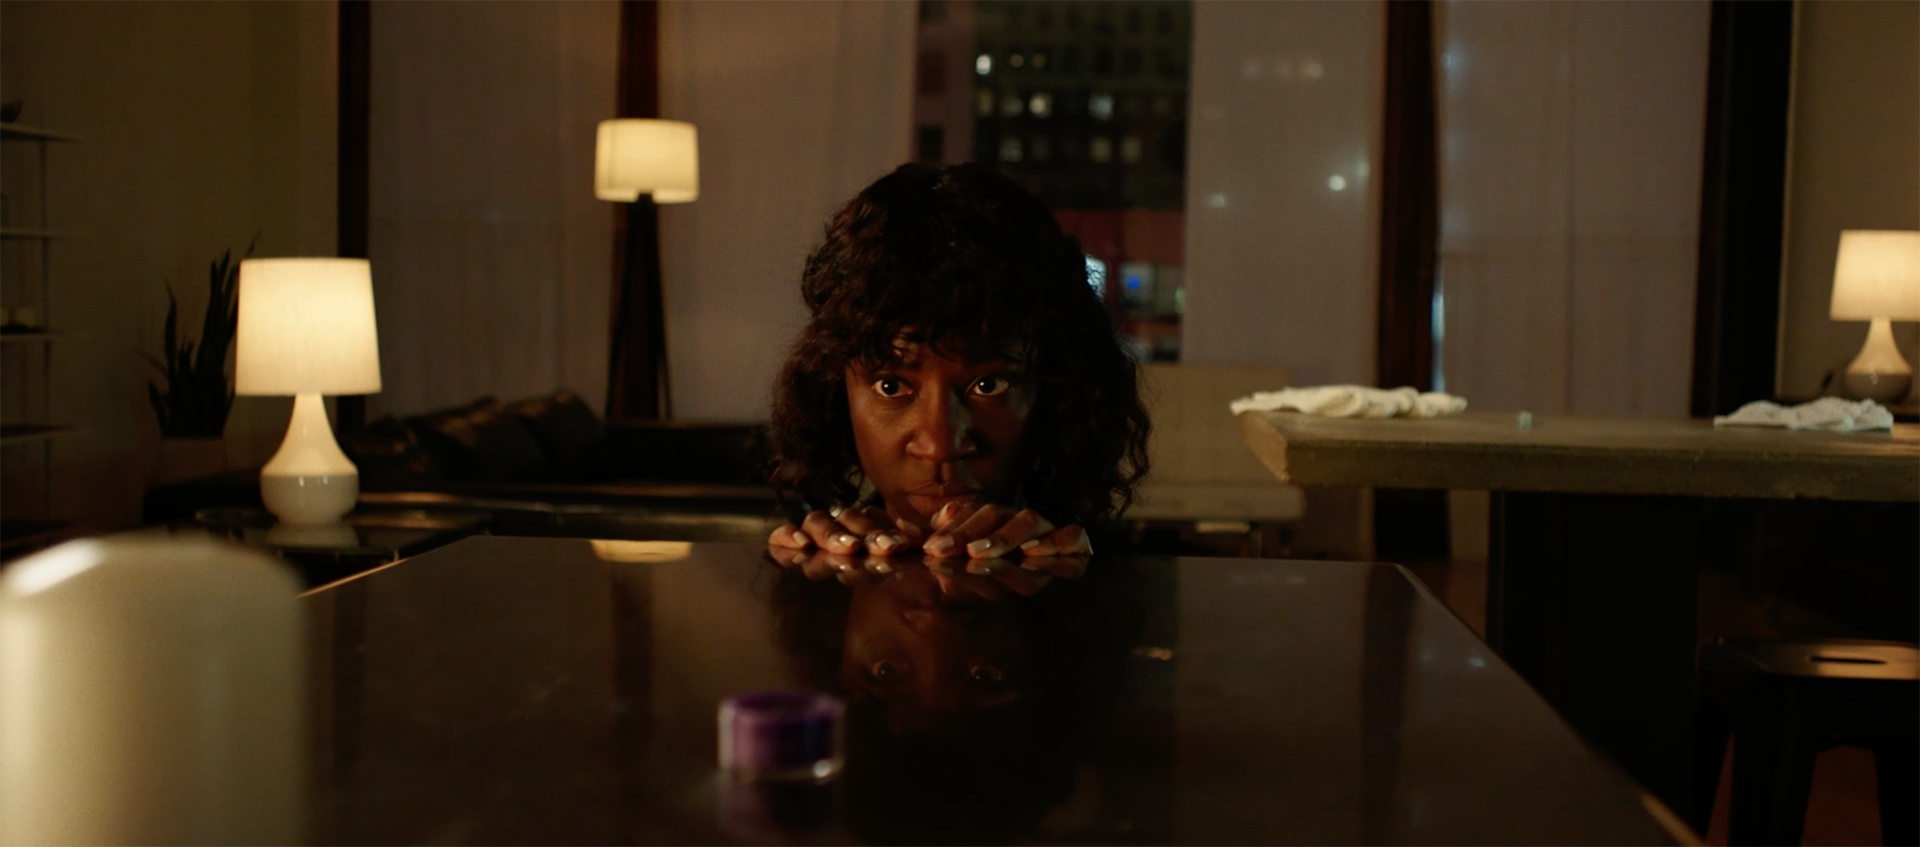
(1070, 540)
(953, 540)
(1023, 582)
(788, 537)
(1024, 526)
(829, 534)
(1062, 567)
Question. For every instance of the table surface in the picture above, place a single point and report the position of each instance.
(392, 533)
(536, 690)
(1566, 453)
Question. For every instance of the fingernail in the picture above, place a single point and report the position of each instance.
(883, 543)
(1029, 566)
(981, 547)
(944, 514)
(1030, 544)
(846, 540)
(880, 566)
(940, 544)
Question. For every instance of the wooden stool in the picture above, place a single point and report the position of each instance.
(1785, 700)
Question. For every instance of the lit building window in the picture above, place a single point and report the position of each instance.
(1101, 149)
(1130, 149)
(1100, 106)
(983, 64)
(1010, 149)
(1041, 104)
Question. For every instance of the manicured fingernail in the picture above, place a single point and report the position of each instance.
(881, 566)
(940, 544)
(882, 543)
(981, 547)
(944, 514)
(1030, 544)
(846, 540)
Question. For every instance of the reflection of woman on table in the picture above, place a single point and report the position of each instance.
(959, 388)
(972, 691)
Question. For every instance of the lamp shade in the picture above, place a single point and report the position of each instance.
(1877, 275)
(306, 327)
(635, 156)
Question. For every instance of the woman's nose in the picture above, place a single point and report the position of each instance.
(941, 429)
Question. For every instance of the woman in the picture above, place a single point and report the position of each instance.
(959, 389)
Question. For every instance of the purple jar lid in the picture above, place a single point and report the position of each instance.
(781, 735)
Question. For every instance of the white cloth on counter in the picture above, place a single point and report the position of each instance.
(1832, 414)
(1353, 401)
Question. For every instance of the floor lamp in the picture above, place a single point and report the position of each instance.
(643, 162)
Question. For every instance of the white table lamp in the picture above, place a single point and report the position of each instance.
(1877, 278)
(307, 329)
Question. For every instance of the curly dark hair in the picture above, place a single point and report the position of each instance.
(965, 261)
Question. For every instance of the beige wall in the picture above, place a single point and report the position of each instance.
(1855, 165)
(204, 123)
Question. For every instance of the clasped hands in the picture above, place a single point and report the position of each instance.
(972, 531)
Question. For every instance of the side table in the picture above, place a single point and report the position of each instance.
(364, 540)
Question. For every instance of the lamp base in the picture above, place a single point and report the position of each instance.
(309, 481)
(1879, 372)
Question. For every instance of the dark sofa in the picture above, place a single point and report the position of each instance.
(541, 466)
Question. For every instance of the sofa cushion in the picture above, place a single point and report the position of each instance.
(389, 455)
(571, 436)
(481, 442)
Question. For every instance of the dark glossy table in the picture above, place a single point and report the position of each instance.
(561, 691)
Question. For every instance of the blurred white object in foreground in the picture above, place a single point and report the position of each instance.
(150, 693)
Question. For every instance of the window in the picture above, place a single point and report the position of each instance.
(1085, 105)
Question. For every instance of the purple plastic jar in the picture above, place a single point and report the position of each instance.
(782, 735)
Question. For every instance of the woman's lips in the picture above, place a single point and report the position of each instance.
(927, 502)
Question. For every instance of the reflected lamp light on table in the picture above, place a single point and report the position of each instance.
(643, 162)
(1877, 278)
(306, 330)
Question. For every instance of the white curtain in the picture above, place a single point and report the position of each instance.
(1571, 146)
(492, 261)
(799, 106)
(1282, 214)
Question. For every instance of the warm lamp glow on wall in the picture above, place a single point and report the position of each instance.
(643, 161)
(1877, 278)
(307, 329)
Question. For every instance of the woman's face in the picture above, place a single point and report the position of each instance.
(932, 429)
(928, 654)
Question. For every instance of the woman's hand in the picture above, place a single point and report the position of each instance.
(862, 529)
(990, 532)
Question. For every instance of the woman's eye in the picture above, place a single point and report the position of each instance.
(889, 386)
(989, 386)
(884, 671)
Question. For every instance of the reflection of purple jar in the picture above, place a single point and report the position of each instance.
(781, 735)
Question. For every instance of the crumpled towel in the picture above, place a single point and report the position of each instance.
(1354, 401)
(1827, 413)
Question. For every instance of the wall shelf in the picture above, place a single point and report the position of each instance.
(39, 337)
(30, 433)
(36, 433)
(34, 133)
(15, 233)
